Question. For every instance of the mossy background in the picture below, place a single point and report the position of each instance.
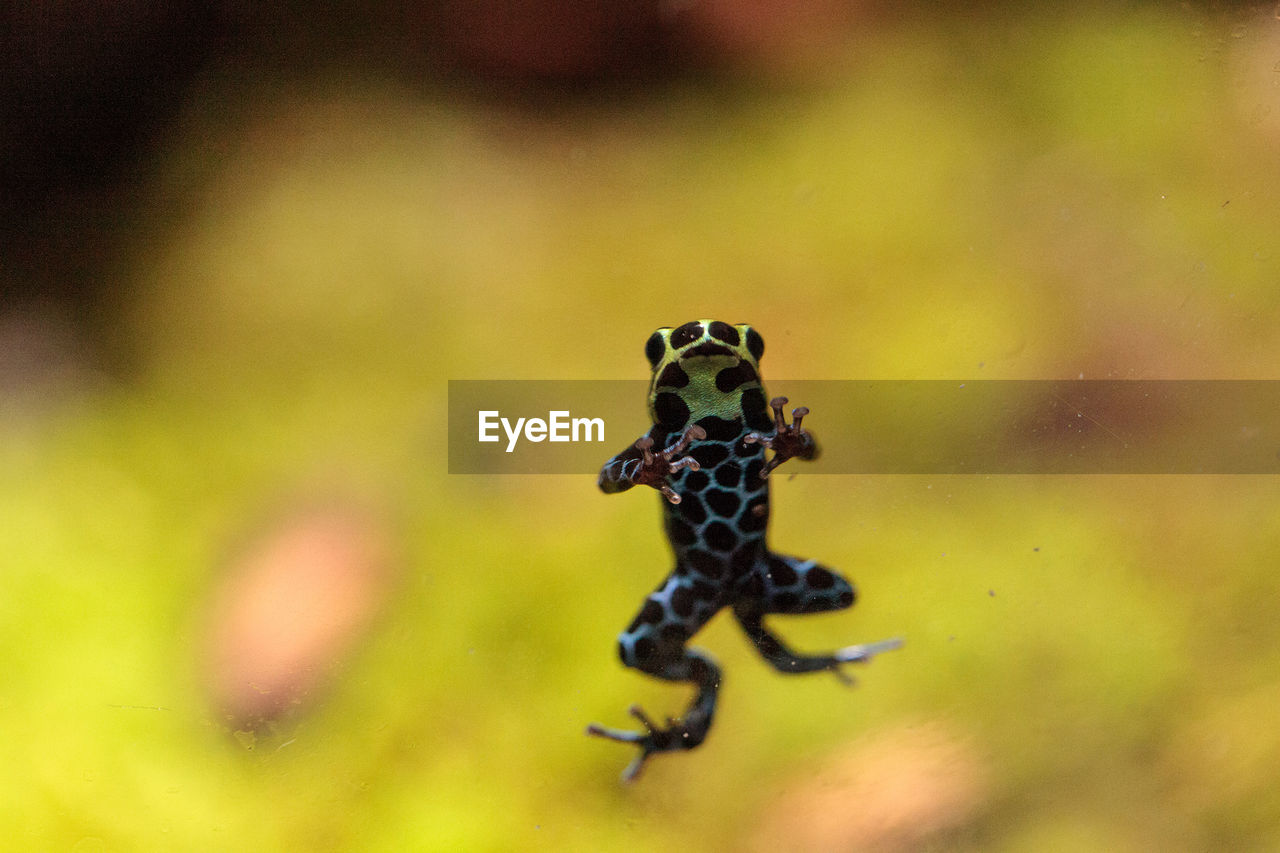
(1091, 662)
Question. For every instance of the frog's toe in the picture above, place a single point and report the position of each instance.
(620, 735)
(866, 651)
(676, 736)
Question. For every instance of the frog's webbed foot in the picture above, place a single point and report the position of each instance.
(677, 735)
(655, 467)
(859, 654)
(788, 440)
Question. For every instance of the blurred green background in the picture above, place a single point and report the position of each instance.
(244, 606)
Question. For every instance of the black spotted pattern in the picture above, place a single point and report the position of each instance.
(673, 376)
(728, 476)
(696, 481)
(686, 334)
(717, 530)
(680, 532)
(703, 563)
(758, 414)
(780, 573)
(718, 535)
(724, 332)
(654, 348)
(691, 508)
(682, 602)
(671, 409)
(723, 503)
(721, 429)
(710, 455)
(733, 378)
(707, 348)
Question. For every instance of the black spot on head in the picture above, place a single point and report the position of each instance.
(673, 376)
(686, 334)
(682, 602)
(757, 415)
(679, 532)
(819, 578)
(710, 455)
(815, 605)
(654, 348)
(723, 504)
(671, 411)
(755, 518)
(735, 377)
(691, 508)
(846, 598)
(703, 563)
(707, 348)
(718, 535)
(727, 475)
(755, 344)
(781, 574)
(724, 332)
(696, 481)
(718, 429)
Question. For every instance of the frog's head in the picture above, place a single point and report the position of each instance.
(703, 368)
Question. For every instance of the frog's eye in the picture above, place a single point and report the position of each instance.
(755, 343)
(654, 348)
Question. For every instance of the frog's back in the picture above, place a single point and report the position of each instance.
(707, 373)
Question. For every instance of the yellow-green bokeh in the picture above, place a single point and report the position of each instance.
(1003, 197)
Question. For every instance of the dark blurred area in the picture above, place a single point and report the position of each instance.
(85, 85)
(89, 87)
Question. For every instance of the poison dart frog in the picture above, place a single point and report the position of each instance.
(706, 453)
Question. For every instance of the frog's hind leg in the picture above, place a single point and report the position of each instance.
(782, 584)
(654, 642)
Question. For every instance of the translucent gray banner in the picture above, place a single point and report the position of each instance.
(901, 426)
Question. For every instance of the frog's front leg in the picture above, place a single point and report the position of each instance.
(639, 465)
(654, 642)
(787, 441)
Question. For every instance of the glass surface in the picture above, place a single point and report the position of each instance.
(244, 605)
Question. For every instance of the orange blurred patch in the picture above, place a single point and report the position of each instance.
(291, 608)
(892, 790)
